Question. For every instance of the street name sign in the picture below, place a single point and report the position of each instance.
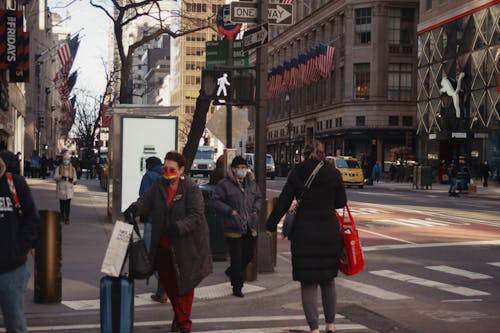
(217, 53)
(247, 12)
(255, 37)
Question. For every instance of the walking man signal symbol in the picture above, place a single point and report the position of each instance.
(222, 82)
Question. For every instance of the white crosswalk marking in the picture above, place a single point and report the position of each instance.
(429, 283)
(415, 223)
(370, 290)
(364, 211)
(460, 272)
(497, 264)
(253, 319)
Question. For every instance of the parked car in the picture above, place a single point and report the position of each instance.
(270, 166)
(350, 168)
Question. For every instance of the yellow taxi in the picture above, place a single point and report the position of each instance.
(350, 168)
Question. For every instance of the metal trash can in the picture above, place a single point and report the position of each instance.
(216, 229)
(48, 259)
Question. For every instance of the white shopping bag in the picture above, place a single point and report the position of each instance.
(117, 249)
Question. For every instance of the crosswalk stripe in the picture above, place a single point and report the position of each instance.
(370, 290)
(415, 223)
(429, 283)
(397, 221)
(460, 272)
(339, 326)
(497, 264)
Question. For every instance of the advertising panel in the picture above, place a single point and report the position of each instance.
(142, 138)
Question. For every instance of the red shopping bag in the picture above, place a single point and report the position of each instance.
(351, 260)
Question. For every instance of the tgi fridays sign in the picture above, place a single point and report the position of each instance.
(14, 45)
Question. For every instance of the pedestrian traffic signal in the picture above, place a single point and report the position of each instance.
(216, 85)
(224, 87)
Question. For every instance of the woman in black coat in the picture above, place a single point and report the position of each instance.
(316, 241)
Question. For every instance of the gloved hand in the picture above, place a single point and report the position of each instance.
(270, 227)
(172, 231)
(131, 212)
(70, 180)
(64, 178)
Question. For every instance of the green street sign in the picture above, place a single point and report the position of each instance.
(216, 53)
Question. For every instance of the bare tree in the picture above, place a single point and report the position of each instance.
(88, 112)
(168, 22)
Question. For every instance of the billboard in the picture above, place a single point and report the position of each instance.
(143, 137)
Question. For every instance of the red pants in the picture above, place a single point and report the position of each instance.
(181, 305)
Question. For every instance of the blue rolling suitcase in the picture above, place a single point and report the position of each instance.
(117, 304)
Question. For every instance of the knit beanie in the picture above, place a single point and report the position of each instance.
(238, 160)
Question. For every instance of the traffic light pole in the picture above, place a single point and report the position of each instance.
(229, 108)
(264, 248)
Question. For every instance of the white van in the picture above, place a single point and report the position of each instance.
(203, 162)
(270, 166)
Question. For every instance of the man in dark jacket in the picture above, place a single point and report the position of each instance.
(19, 222)
(154, 169)
(238, 200)
(485, 173)
(180, 246)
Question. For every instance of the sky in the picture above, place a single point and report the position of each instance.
(93, 26)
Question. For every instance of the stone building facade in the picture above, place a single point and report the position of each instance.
(366, 108)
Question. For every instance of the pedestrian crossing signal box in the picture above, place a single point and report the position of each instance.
(224, 87)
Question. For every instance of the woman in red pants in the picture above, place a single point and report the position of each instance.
(180, 239)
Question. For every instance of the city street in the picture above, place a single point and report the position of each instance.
(431, 266)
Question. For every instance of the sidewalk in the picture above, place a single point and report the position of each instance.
(84, 243)
(491, 192)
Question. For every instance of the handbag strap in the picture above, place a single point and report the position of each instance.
(310, 180)
(135, 225)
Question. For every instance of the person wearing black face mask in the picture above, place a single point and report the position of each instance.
(180, 245)
(238, 200)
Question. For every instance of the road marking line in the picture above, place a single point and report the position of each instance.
(385, 236)
(497, 264)
(462, 300)
(207, 321)
(338, 327)
(459, 272)
(397, 221)
(370, 290)
(429, 283)
(208, 292)
(427, 245)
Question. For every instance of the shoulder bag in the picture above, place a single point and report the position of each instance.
(351, 260)
(139, 261)
(287, 229)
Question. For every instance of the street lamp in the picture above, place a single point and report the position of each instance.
(290, 151)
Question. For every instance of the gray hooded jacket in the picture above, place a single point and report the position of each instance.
(245, 198)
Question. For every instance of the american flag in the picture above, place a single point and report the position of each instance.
(286, 1)
(67, 51)
(294, 73)
(325, 59)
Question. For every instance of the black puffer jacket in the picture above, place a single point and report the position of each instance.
(316, 243)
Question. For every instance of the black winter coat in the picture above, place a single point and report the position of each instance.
(316, 243)
(191, 250)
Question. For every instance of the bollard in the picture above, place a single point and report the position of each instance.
(266, 249)
(48, 259)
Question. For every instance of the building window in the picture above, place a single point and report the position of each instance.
(302, 129)
(401, 28)
(407, 121)
(362, 81)
(428, 4)
(338, 122)
(319, 126)
(360, 120)
(363, 25)
(393, 120)
(399, 82)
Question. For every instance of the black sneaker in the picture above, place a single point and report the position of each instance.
(174, 327)
(237, 292)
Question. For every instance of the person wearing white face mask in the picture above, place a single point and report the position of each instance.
(238, 200)
(65, 177)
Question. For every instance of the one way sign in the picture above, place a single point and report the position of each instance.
(255, 37)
